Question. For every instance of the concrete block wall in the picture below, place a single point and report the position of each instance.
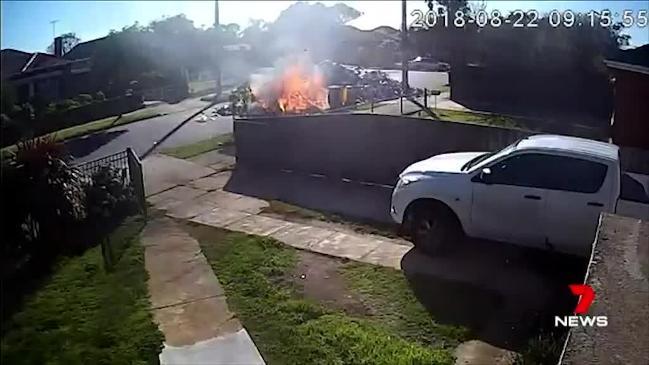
(362, 147)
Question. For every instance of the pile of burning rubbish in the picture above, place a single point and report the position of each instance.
(304, 88)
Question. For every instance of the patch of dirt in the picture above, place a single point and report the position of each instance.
(316, 277)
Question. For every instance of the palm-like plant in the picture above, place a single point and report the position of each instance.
(44, 194)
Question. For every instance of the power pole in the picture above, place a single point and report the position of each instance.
(219, 49)
(404, 47)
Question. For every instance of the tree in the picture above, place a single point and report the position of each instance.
(69, 40)
(324, 24)
(451, 6)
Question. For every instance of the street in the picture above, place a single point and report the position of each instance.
(140, 136)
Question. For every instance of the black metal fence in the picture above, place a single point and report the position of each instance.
(129, 167)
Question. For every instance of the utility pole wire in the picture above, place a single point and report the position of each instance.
(156, 144)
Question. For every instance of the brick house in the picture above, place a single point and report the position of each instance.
(44, 76)
(630, 71)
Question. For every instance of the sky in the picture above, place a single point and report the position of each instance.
(26, 24)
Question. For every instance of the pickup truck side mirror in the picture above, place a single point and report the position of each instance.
(485, 175)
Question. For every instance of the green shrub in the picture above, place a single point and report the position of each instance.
(24, 112)
(67, 104)
(109, 195)
(99, 96)
(43, 198)
(544, 349)
(83, 99)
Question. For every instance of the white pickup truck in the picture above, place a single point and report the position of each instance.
(543, 191)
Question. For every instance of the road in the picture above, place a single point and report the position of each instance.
(142, 135)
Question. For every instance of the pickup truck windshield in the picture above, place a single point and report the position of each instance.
(476, 160)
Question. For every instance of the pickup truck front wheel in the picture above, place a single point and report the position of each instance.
(433, 227)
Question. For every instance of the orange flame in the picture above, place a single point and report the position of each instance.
(300, 91)
(297, 89)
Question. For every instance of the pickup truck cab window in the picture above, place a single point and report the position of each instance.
(533, 191)
(530, 170)
(549, 172)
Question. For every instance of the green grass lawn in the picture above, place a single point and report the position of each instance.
(83, 315)
(387, 289)
(289, 328)
(458, 116)
(101, 124)
(200, 147)
(477, 118)
(199, 86)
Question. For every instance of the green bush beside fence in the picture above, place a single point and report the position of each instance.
(52, 208)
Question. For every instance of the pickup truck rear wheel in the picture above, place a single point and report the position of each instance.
(432, 227)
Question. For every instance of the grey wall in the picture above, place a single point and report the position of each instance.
(362, 147)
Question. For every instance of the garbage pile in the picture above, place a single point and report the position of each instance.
(334, 85)
(373, 84)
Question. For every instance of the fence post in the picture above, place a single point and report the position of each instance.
(107, 254)
(137, 178)
(426, 98)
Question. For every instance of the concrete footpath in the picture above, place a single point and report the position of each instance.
(189, 304)
(200, 198)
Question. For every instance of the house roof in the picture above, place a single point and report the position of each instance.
(17, 64)
(12, 61)
(633, 60)
(40, 60)
(627, 67)
(84, 49)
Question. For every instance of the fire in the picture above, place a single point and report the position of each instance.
(300, 91)
(297, 88)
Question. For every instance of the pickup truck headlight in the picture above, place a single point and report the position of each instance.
(406, 180)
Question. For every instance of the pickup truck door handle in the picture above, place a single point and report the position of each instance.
(533, 197)
(595, 204)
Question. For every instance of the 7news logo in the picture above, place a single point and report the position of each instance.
(586, 297)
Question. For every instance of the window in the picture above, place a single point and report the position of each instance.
(520, 170)
(631, 189)
(550, 172)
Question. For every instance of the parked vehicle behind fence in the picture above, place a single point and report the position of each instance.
(428, 64)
